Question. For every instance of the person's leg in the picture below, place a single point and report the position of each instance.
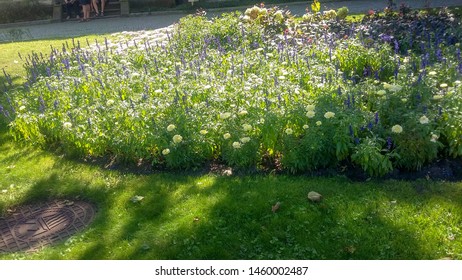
(95, 6)
(76, 7)
(68, 8)
(103, 5)
(86, 12)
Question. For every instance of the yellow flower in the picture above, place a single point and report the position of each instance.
(243, 112)
(226, 135)
(424, 120)
(397, 128)
(310, 114)
(171, 127)
(289, 131)
(329, 115)
(318, 123)
(236, 145)
(245, 139)
(247, 127)
(404, 100)
(177, 139)
(203, 131)
(165, 152)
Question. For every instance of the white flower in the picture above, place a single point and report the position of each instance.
(165, 152)
(22, 108)
(245, 139)
(67, 125)
(397, 128)
(242, 113)
(310, 107)
(443, 85)
(224, 116)
(404, 100)
(226, 135)
(457, 82)
(246, 127)
(437, 97)
(171, 127)
(423, 120)
(434, 137)
(177, 139)
(203, 132)
(310, 114)
(329, 115)
(395, 88)
(305, 126)
(236, 145)
(289, 131)
(110, 102)
(318, 123)
(432, 73)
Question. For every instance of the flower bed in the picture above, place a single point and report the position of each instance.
(253, 90)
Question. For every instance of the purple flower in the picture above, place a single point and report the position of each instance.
(376, 117)
(389, 143)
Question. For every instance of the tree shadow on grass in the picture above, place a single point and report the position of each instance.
(240, 225)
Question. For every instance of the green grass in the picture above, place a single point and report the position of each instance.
(214, 217)
(187, 216)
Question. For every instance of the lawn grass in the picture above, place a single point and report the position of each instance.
(208, 216)
(187, 216)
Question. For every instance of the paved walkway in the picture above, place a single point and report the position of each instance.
(159, 20)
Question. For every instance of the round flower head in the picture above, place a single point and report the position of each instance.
(310, 114)
(424, 120)
(289, 131)
(226, 135)
(310, 107)
(305, 126)
(171, 127)
(67, 125)
(397, 128)
(203, 132)
(329, 115)
(243, 112)
(432, 73)
(444, 85)
(177, 139)
(236, 145)
(318, 123)
(165, 152)
(434, 137)
(224, 116)
(381, 92)
(245, 139)
(22, 108)
(247, 127)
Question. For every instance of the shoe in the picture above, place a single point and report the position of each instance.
(102, 14)
(77, 17)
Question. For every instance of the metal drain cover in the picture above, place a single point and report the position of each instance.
(30, 227)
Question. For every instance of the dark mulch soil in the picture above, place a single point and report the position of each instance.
(441, 170)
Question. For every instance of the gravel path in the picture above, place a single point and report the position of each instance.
(159, 20)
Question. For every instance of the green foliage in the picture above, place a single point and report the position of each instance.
(372, 158)
(342, 13)
(245, 89)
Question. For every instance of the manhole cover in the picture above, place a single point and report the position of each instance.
(30, 227)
